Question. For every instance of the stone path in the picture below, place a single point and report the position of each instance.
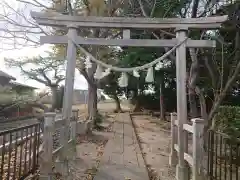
(122, 158)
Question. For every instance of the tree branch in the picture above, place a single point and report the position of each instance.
(153, 9)
(142, 8)
(27, 2)
(210, 70)
(36, 4)
(113, 8)
(41, 72)
(19, 26)
(230, 81)
(85, 75)
(41, 66)
(195, 8)
(154, 34)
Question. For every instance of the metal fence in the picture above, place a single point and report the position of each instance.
(223, 157)
(19, 152)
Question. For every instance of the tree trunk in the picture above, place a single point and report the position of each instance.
(204, 116)
(54, 97)
(92, 102)
(92, 84)
(117, 102)
(162, 109)
(192, 103)
(231, 80)
(137, 107)
(135, 102)
(192, 81)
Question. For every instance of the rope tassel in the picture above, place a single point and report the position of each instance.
(88, 63)
(106, 72)
(99, 72)
(136, 74)
(149, 78)
(159, 66)
(123, 80)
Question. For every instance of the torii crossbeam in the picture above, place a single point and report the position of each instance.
(181, 26)
(54, 19)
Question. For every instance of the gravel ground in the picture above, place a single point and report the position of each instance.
(155, 143)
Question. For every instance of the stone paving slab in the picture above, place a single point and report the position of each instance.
(122, 158)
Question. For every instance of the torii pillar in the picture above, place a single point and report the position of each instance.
(182, 170)
(68, 97)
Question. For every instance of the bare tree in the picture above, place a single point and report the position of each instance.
(223, 80)
(17, 28)
(98, 8)
(26, 32)
(47, 70)
(94, 8)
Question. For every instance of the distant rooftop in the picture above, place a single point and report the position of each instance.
(14, 83)
(2, 73)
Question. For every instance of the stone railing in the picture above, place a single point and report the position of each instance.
(193, 153)
(53, 141)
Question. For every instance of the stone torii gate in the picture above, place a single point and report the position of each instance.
(181, 27)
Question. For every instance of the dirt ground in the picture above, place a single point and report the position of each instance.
(90, 147)
(90, 150)
(154, 137)
(155, 142)
(103, 107)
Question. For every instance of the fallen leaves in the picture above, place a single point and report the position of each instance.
(16, 162)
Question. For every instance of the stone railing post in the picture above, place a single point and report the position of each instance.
(47, 158)
(61, 162)
(73, 134)
(73, 124)
(75, 113)
(173, 154)
(198, 151)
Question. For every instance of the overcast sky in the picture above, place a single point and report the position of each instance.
(80, 82)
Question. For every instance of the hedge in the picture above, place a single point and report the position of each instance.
(228, 120)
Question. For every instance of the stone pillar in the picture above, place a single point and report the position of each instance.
(47, 161)
(198, 151)
(73, 124)
(173, 154)
(68, 96)
(75, 114)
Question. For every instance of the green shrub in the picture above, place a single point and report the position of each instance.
(228, 120)
(98, 120)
